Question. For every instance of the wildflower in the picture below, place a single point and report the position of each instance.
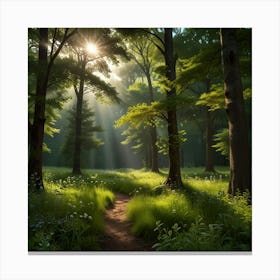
(71, 216)
(75, 213)
(90, 217)
(85, 214)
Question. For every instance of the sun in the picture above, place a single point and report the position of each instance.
(92, 48)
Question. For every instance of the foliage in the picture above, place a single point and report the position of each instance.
(141, 114)
(199, 66)
(199, 237)
(68, 215)
(163, 144)
(88, 138)
(229, 232)
(145, 210)
(214, 99)
(222, 142)
(56, 94)
(202, 217)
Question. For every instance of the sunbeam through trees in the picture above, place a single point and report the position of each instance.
(139, 139)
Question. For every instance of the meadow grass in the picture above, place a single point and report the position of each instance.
(201, 216)
(68, 215)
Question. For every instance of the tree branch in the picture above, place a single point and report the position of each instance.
(53, 41)
(76, 89)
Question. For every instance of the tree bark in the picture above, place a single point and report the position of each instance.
(37, 129)
(240, 161)
(174, 176)
(153, 132)
(78, 129)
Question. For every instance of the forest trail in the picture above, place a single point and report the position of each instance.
(118, 235)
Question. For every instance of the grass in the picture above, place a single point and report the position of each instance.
(69, 214)
(200, 217)
(145, 210)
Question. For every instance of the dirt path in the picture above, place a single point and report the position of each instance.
(118, 235)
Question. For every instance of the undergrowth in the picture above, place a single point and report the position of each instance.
(68, 215)
(201, 217)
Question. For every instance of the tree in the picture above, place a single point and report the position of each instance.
(93, 48)
(240, 162)
(56, 96)
(141, 53)
(154, 110)
(202, 66)
(174, 175)
(88, 139)
(45, 64)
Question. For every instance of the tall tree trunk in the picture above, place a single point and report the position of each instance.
(37, 130)
(153, 132)
(174, 176)
(240, 162)
(78, 129)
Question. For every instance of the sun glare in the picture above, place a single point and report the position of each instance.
(92, 48)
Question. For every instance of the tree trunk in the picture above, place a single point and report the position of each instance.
(37, 130)
(240, 162)
(153, 132)
(78, 129)
(174, 176)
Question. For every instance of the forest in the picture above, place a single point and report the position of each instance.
(139, 139)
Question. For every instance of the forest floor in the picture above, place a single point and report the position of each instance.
(118, 235)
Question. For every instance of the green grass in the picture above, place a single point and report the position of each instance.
(201, 216)
(68, 215)
(145, 210)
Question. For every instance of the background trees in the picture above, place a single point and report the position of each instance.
(142, 52)
(170, 90)
(88, 139)
(91, 48)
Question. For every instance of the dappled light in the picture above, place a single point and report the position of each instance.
(139, 150)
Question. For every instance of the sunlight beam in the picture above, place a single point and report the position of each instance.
(92, 48)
